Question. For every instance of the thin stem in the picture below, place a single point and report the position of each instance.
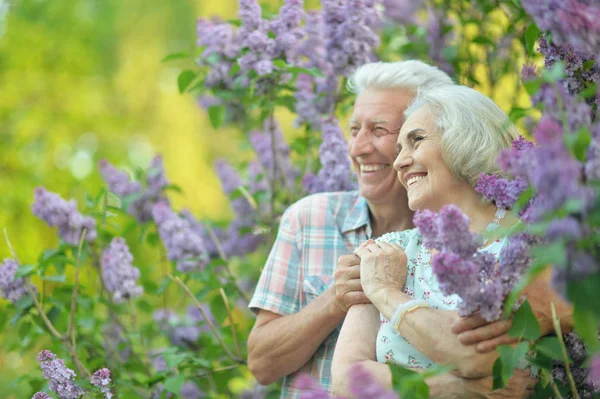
(231, 322)
(71, 329)
(223, 256)
(47, 322)
(210, 324)
(552, 383)
(563, 348)
(218, 370)
(10, 247)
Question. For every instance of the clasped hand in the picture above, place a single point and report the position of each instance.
(382, 267)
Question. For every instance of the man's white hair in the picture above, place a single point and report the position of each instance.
(410, 75)
(474, 129)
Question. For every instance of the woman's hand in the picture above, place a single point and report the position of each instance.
(382, 267)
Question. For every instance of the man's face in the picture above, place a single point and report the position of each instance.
(374, 125)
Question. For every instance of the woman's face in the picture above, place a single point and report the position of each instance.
(429, 182)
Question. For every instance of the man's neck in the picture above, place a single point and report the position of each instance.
(386, 218)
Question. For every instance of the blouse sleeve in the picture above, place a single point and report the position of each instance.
(397, 237)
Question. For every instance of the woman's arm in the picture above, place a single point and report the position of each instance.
(357, 344)
(383, 273)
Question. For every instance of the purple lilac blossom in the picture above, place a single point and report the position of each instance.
(178, 329)
(190, 390)
(579, 266)
(402, 11)
(310, 389)
(118, 181)
(262, 143)
(565, 228)
(477, 277)
(231, 181)
(182, 242)
(438, 38)
(209, 244)
(57, 212)
(60, 378)
(364, 386)
(335, 173)
(287, 28)
(572, 22)
(349, 36)
(41, 395)
(11, 288)
(503, 192)
(578, 353)
(578, 75)
(594, 373)
(592, 163)
(101, 379)
(257, 392)
(119, 275)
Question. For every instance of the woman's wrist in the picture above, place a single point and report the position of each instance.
(386, 299)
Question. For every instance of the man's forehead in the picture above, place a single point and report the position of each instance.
(354, 119)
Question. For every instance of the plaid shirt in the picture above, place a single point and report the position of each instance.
(313, 233)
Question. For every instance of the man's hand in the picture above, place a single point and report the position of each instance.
(487, 336)
(348, 290)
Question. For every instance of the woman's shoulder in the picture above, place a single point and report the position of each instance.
(402, 238)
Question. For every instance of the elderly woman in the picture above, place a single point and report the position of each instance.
(450, 136)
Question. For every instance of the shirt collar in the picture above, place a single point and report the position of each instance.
(358, 216)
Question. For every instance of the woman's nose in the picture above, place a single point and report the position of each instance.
(403, 159)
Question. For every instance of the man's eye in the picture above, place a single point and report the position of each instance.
(354, 130)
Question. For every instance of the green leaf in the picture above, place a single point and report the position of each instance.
(184, 80)
(316, 72)
(25, 270)
(584, 293)
(216, 114)
(61, 278)
(163, 286)
(174, 359)
(532, 86)
(586, 325)
(555, 73)
(550, 347)
(524, 323)
(505, 365)
(578, 143)
(532, 33)
(279, 63)
(550, 254)
(174, 384)
(408, 383)
(176, 56)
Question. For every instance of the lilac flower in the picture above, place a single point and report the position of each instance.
(231, 181)
(565, 228)
(572, 22)
(592, 163)
(310, 389)
(480, 280)
(190, 390)
(250, 14)
(142, 198)
(402, 11)
(199, 229)
(41, 395)
(502, 191)
(438, 38)
(118, 181)
(60, 378)
(257, 392)
(263, 143)
(350, 39)
(594, 373)
(119, 275)
(287, 28)
(11, 288)
(529, 72)
(183, 244)
(57, 212)
(335, 173)
(364, 386)
(101, 379)
(241, 238)
(578, 353)
(183, 330)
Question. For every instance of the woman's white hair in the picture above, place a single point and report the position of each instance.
(409, 75)
(474, 129)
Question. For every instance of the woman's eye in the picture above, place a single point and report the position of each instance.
(418, 138)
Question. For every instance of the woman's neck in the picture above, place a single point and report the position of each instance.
(480, 213)
(386, 218)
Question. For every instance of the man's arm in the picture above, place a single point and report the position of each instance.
(280, 345)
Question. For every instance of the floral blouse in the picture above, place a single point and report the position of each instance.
(421, 283)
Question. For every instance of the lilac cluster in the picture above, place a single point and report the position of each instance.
(60, 378)
(189, 390)
(183, 330)
(140, 199)
(578, 75)
(582, 376)
(41, 395)
(572, 22)
(402, 11)
(594, 373)
(502, 191)
(257, 392)
(362, 385)
(119, 275)
(592, 163)
(349, 33)
(182, 242)
(480, 280)
(101, 379)
(11, 288)
(335, 173)
(276, 163)
(57, 212)
(438, 38)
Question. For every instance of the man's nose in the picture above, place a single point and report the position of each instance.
(361, 144)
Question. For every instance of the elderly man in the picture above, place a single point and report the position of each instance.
(302, 296)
